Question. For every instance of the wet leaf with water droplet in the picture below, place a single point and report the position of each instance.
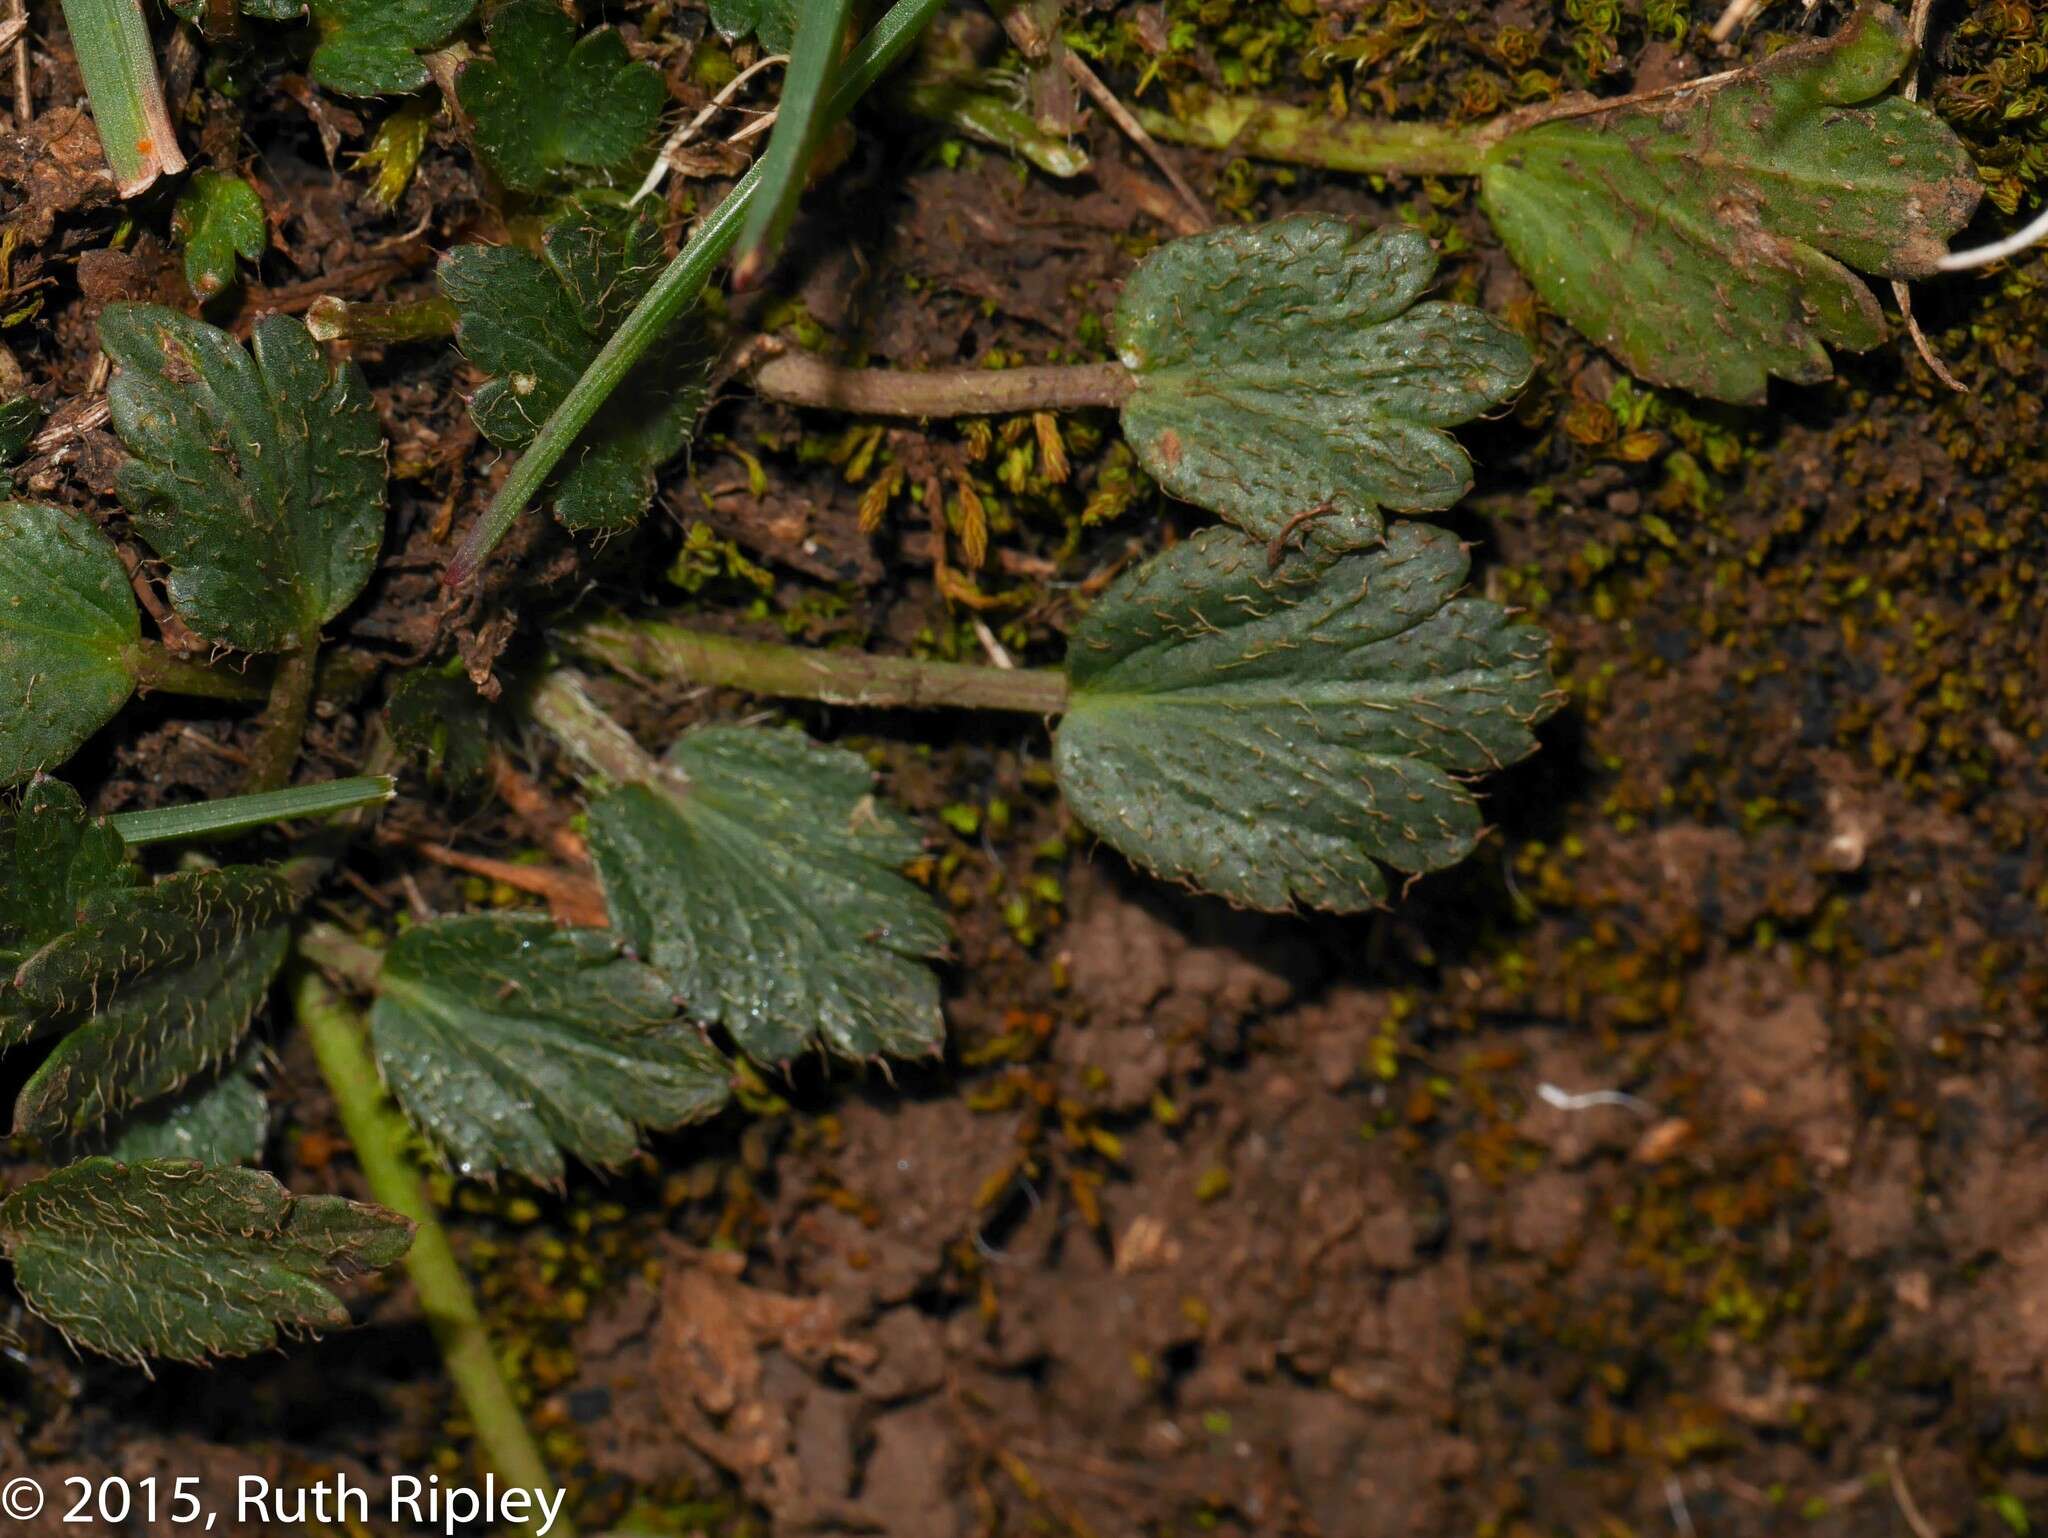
(1275, 737)
(511, 1042)
(762, 877)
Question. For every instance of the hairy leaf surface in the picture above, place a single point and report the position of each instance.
(169, 1259)
(510, 1042)
(258, 474)
(68, 636)
(763, 878)
(1706, 237)
(1276, 737)
(548, 105)
(154, 985)
(535, 323)
(219, 218)
(1289, 366)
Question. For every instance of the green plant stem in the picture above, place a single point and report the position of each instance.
(803, 379)
(235, 814)
(118, 61)
(605, 749)
(1267, 130)
(381, 1136)
(155, 667)
(284, 718)
(414, 320)
(795, 672)
(993, 119)
(673, 292)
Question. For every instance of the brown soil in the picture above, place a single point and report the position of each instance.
(1211, 1223)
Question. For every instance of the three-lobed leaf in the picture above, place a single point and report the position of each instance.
(258, 473)
(510, 1042)
(69, 635)
(535, 323)
(1290, 367)
(151, 988)
(1276, 736)
(166, 1258)
(547, 106)
(763, 878)
(1706, 237)
(219, 217)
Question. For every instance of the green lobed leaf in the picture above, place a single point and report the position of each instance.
(218, 218)
(509, 1042)
(221, 1122)
(258, 475)
(773, 22)
(1276, 736)
(154, 986)
(762, 877)
(1706, 238)
(55, 858)
(69, 636)
(367, 47)
(373, 47)
(549, 106)
(535, 323)
(167, 1258)
(1288, 366)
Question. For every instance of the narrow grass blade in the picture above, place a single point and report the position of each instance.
(800, 118)
(118, 61)
(236, 814)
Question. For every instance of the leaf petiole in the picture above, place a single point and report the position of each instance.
(803, 379)
(673, 292)
(1271, 130)
(155, 666)
(234, 814)
(794, 672)
(284, 717)
(414, 320)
